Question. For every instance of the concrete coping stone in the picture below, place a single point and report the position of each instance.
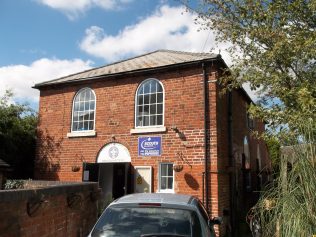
(46, 188)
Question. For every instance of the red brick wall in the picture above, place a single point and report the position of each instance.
(53, 217)
(56, 153)
(115, 116)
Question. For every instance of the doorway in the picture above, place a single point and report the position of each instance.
(119, 180)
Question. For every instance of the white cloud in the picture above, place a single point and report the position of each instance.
(167, 28)
(252, 93)
(73, 8)
(21, 78)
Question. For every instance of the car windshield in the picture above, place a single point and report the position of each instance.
(147, 221)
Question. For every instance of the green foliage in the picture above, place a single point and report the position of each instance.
(274, 152)
(289, 204)
(273, 44)
(17, 136)
(14, 184)
(274, 47)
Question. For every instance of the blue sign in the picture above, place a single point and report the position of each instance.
(149, 146)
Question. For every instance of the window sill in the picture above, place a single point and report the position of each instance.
(82, 134)
(166, 191)
(148, 130)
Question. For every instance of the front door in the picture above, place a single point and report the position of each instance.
(119, 185)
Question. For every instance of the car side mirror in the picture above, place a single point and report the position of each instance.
(215, 221)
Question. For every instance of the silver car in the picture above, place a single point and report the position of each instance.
(155, 214)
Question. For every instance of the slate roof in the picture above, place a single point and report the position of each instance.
(149, 61)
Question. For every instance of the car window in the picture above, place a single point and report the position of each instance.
(203, 211)
(138, 221)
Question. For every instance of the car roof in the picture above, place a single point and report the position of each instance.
(163, 198)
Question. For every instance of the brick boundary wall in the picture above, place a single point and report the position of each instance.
(48, 208)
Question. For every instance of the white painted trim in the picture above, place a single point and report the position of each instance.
(151, 174)
(73, 107)
(159, 176)
(82, 134)
(148, 130)
(163, 101)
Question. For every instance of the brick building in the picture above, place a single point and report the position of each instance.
(154, 123)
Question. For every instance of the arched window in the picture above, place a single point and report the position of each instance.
(246, 153)
(149, 104)
(83, 110)
(259, 157)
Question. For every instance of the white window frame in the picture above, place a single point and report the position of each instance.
(159, 179)
(154, 128)
(90, 132)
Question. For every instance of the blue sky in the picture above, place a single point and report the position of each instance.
(47, 39)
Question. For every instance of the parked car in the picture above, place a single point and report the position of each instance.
(155, 214)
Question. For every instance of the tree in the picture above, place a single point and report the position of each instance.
(17, 136)
(273, 44)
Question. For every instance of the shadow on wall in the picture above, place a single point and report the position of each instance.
(47, 163)
(191, 181)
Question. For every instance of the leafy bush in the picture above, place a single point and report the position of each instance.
(14, 184)
(288, 206)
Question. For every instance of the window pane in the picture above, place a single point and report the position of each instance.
(163, 170)
(170, 183)
(80, 127)
(81, 106)
(85, 125)
(81, 95)
(83, 110)
(159, 119)
(159, 87)
(81, 114)
(86, 116)
(146, 88)
(146, 121)
(159, 108)
(146, 110)
(170, 170)
(92, 105)
(153, 98)
(153, 86)
(141, 90)
(159, 97)
(140, 110)
(76, 116)
(163, 184)
(76, 106)
(140, 100)
(91, 125)
(146, 99)
(153, 109)
(139, 121)
(91, 117)
(75, 126)
(152, 120)
(86, 106)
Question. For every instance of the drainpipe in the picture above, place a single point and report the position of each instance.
(232, 175)
(206, 150)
